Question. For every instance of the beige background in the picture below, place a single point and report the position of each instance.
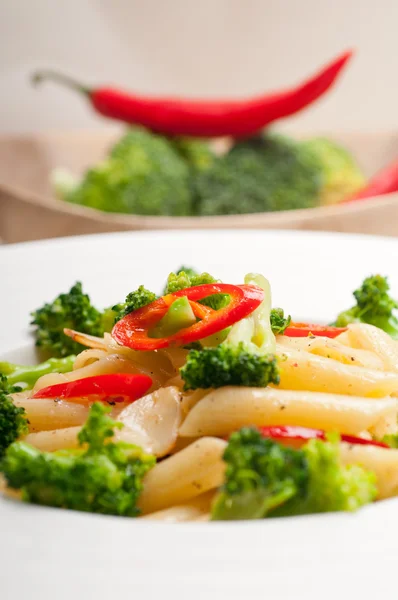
(206, 47)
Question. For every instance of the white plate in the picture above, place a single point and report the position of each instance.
(54, 554)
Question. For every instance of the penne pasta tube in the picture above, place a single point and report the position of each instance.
(56, 439)
(189, 399)
(344, 338)
(196, 509)
(382, 461)
(181, 443)
(203, 518)
(378, 341)
(87, 357)
(176, 355)
(330, 348)
(227, 409)
(46, 414)
(183, 476)
(305, 371)
(156, 360)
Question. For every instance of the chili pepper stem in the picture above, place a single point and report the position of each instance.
(40, 76)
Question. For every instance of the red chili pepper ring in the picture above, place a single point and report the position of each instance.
(133, 330)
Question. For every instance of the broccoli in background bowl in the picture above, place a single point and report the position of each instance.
(142, 175)
(341, 175)
(262, 174)
(148, 174)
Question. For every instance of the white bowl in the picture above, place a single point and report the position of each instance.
(50, 553)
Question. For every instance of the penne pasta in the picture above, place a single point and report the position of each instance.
(189, 400)
(195, 510)
(46, 414)
(382, 461)
(181, 443)
(177, 356)
(331, 348)
(183, 476)
(377, 341)
(87, 357)
(302, 370)
(55, 439)
(227, 409)
(157, 361)
(203, 518)
(344, 339)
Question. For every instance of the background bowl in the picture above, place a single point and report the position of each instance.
(29, 210)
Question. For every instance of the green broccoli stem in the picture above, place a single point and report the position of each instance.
(27, 375)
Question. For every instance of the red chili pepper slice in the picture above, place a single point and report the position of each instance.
(133, 330)
(205, 118)
(112, 387)
(296, 433)
(307, 329)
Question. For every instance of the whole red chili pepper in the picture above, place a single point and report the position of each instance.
(205, 118)
(384, 182)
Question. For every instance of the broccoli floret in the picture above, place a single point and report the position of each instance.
(25, 376)
(278, 321)
(13, 422)
(261, 474)
(264, 173)
(197, 154)
(331, 487)
(228, 365)
(72, 310)
(183, 279)
(142, 175)
(75, 311)
(101, 476)
(391, 439)
(245, 358)
(266, 479)
(190, 271)
(134, 301)
(342, 176)
(374, 306)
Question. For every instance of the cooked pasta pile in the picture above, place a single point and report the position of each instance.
(347, 384)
